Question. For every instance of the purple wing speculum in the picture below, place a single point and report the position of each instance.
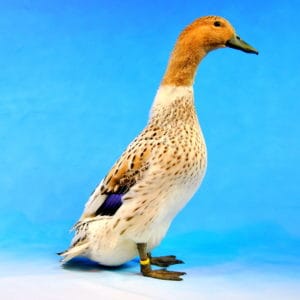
(111, 204)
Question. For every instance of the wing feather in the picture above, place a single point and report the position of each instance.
(128, 170)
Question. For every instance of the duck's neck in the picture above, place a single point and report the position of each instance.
(173, 104)
(174, 101)
(168, 94)
(182, 66)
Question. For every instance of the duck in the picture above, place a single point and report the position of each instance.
(132, 208)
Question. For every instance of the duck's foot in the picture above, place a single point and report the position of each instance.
(146, 260)
(164, 261)
(163, 274)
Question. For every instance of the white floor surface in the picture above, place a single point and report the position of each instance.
(45, 280)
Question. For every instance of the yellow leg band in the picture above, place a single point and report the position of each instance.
(145, 262)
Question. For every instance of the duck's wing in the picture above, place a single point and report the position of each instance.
(127, 171)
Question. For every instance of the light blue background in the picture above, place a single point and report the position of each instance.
(77, 79)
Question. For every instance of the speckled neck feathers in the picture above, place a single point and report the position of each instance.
(173, 105)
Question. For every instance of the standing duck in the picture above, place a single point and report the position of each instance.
(132, 208)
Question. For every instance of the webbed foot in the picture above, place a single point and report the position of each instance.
(165, 261)
(163, 274)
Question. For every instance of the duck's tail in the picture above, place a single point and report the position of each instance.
(73, 251)
(79, 244)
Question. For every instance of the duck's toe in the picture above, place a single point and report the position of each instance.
(165, 261)
(164, 274)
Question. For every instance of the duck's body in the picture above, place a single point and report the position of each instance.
(174, 164)
(131, 210)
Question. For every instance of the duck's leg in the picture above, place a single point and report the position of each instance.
(145, 264)
(164, 261)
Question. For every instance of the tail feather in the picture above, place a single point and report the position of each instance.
(72, 252)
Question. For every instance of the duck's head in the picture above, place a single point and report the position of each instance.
(212, 32)
(195, 41)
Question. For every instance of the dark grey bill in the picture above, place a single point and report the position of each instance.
(236, 43)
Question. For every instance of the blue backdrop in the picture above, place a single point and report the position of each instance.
(77, 79)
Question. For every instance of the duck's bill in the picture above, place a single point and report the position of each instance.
(237, 43)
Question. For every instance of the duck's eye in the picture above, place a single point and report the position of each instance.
(217, 24)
